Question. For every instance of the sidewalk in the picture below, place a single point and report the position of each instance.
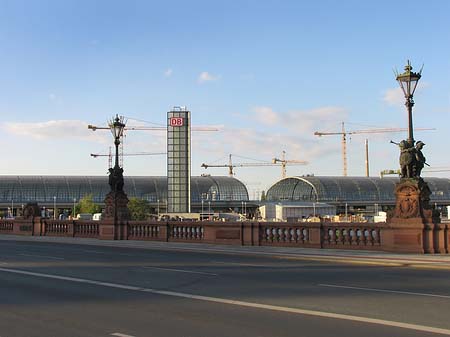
(331, 255)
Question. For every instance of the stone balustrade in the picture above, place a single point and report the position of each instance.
(429, 238)
(352, 235)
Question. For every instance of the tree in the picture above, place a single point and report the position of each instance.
(87, 205)
(139, 208)
(263, 196)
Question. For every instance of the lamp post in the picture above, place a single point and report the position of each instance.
(201, 217)
(117, 126)
(209, 210)
(408, 82)
(54, 207)
(158, 207)
(12, 208)
(73, 210)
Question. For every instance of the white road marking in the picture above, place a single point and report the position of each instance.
(241, 264)
(118, 334)
(43, 256)
(182, 271)
(384, 290)
(94, 252)
(239, 303)
(3, 263)
(107, 253)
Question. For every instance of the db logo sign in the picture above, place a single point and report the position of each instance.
(176, 121)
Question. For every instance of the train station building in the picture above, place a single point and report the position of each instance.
(207, 193)
(349, 195)
(295, 197)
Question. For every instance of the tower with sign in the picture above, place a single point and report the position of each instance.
(179, 160)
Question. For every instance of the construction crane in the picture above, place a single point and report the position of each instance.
(344, 134)
(436, 170)
(398, 172)
(151, 128)
(275, 162)
(390, 172)
(138, 128)
(284, 162)
(110, 155)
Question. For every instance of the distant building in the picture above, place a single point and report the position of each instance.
(295, 211)
(179, 160)
(357, 195)
(211, 193)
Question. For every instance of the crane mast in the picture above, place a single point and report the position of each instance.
(344, 150)
(283, 162)
(343, 133)
(275, 162)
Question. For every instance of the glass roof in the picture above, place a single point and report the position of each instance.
(349, 189)
(44, 189)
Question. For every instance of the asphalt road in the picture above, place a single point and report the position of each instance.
(58, 290)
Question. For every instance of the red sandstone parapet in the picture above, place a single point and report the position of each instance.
(405, 235)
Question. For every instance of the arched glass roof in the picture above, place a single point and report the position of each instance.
(43, 189)
(348, 189)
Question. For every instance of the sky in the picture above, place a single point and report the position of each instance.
(267, 74)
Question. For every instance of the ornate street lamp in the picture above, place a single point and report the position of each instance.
(116, 201)
(413, 216)
(117, 126)
(408, 82)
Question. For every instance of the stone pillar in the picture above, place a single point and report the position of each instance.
(439, 239)
(115, 217)
(411, 226)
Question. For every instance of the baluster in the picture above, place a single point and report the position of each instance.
(368, 237)
(326, 237)
(375, 236)
(341, 236)
(358, 236)
(352, 236)
(299, 235)
(345, 236)
(331, 236)
(305, 233)
(292, 236)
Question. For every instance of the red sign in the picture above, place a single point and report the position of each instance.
(176, 121)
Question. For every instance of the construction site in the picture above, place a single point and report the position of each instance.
(220, 197)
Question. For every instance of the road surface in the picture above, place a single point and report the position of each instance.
(52, 289)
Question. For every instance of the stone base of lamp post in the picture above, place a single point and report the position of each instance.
(115, 216)
(412, 223)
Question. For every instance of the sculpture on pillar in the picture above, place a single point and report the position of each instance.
(116, 200)
(116, 179)
(420, 160)
(413, 222)
(411, 159)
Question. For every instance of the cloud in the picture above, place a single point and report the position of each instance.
(305, 121)
(207, 77)
(265, 115)
(270, 132)
(55, 130)
(168, 72)
(394, 96)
